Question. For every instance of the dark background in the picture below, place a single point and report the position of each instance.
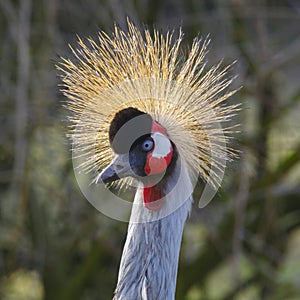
(244, 245)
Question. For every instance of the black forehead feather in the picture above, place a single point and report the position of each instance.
(140, 124)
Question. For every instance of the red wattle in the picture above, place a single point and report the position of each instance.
(153, 199)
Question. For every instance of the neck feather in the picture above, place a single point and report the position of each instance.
(149, 263)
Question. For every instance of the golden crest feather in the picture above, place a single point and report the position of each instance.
(146, 70)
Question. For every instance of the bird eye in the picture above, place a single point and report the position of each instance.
(147, 145)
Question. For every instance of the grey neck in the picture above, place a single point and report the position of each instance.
(148, 268)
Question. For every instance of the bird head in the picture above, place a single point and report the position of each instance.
(143, 150)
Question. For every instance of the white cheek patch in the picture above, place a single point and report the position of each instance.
(162, 145)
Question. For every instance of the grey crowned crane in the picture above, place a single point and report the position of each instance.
(148, 114)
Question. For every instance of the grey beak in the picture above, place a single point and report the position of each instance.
(119, 168)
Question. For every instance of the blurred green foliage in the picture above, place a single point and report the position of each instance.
(243, 245)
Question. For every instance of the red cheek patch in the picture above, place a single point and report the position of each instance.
(156, 165)
(158, 128)
(160, 156)
(157, 162)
